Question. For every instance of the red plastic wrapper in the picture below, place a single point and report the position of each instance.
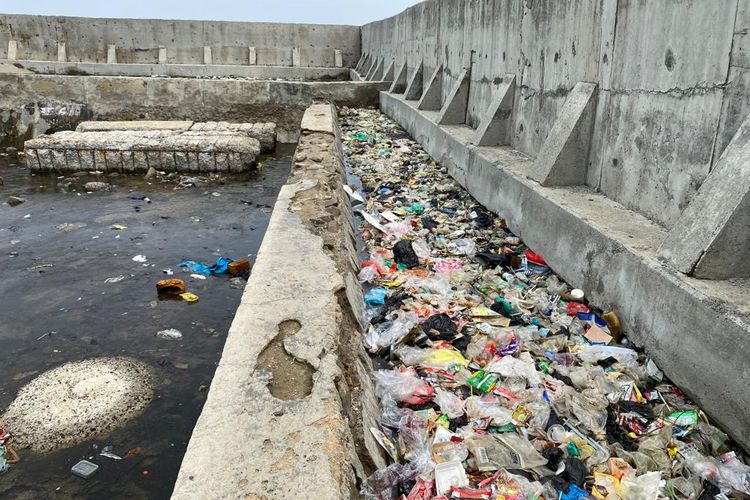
(535, 258)
(422, 490)
(471, 494)
(575, 307)
(423, 394)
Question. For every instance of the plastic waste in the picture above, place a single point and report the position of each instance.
(390, 332)
(169, 334)
(220, 267)
(498, 364)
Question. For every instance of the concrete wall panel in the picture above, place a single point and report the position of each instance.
(138, 40)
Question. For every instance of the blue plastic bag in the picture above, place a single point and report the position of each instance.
(376, 296)
(220, 267)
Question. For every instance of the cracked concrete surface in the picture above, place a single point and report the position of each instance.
(255, 440)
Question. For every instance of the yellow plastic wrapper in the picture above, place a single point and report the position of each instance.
(443, 358)
(189, 297)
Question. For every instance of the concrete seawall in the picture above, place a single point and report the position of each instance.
(669, 99)
(147, 41)
(291, 401)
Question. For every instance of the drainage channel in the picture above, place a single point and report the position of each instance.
(72, 291)
(494, 377)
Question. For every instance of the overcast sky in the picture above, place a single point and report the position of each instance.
(292, 11)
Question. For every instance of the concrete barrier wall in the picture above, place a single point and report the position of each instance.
(31, 105)
(291, 404)
(138, 40)
(672, 78)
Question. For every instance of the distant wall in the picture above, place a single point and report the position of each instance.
(673, 78)
(31, 105)
(138, 40)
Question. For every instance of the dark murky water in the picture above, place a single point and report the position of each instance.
(53, 280)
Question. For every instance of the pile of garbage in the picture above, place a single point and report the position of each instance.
(495, 379)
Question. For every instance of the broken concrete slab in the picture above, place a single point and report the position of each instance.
(563, 159)
(495, 128)
(129, 149)
(102, 126)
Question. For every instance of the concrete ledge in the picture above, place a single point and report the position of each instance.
(185, 70)
(279, 426)
(695, 330)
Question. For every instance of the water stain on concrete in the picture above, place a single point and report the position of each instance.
(291, 378)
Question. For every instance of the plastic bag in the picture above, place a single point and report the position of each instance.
(449, 403)
(521, 367)
(390, 332)
(412, 433)
(439, 326)
(376, 296)
(422, 249)
(643, 487)
(404, 254)
(464, 246)
(488, 407)
(402, 386)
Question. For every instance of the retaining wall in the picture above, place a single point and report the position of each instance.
(31, 105)
(672, 80)
(138, 41)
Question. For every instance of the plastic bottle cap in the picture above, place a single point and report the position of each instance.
(576, 294)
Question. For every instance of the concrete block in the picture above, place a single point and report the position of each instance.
(32, 161)
(414, 87)
(12, 50)
(168, 161)
(162, 55)
(153, 159)
(207, 55)
(496, 127)
(399, 82)
(60, 160)
(432, 97)
(111, 54)
(206, 161)
(86, 160)
(453, 111)
(338, 59)
(296, 57)
(389, 72)
(140, 162)
(252, 56)
(710, 239)
(182, 164)
(100, 160)
(563, 158)
(71, 160)
(222, 162)
(62, 55)
(128, 162)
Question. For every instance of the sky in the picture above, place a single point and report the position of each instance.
(355, 12)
